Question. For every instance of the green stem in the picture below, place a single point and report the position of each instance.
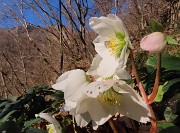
(156, 84)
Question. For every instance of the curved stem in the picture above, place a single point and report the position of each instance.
(144, 96)
(156, 84)
(141, 88)
(112, 126)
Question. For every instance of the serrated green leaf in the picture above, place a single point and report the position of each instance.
(168, 62)
(6, 117)
(169, 116)
(171, 41)
(35, 130)
(164, 88)
(155, 26)
(31, 122)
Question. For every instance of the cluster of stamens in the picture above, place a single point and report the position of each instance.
(109, 98)
(116, 44)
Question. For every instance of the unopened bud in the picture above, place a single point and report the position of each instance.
(154, 42)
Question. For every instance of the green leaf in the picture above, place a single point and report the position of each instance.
(167, 127)
(163, 125)
(31, 122)
(169, 116)
(168, 62)
(155, 26)
(4, 103)
(164, 88)
(6, 117)
(56, 103)
(35, 130)
(171, 41)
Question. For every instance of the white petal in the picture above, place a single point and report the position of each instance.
(100, 46)
(124, 56)
(69, 105)
(101, 27)
(98, 113)
(61, 81)
(94, 88)
(95, 64)
(115, 25)
(52, 120)
(131, 107)
(107, 67)
(76, 81)
(125, 87)
(121, 73)
(83, 119)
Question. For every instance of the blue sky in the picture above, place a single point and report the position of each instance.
(30, 16)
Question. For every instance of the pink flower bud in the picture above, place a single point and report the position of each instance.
(154, 42)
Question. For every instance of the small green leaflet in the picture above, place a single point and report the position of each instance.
(171, 41)
(169, 116)
(164, 88)
(155, 26)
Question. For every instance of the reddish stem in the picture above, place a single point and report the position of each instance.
(134, 71)
(143, 93)
(156, 84)
(112, 126)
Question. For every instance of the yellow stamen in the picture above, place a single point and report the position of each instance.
(110, 98)
(116, 44)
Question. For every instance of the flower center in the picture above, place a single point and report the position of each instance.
(116, 44)
(50, 128)
(110, 98)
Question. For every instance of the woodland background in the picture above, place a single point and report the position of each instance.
(33, 54)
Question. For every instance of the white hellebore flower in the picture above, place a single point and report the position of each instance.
(112, 46)
(55, 127)
(98, 101)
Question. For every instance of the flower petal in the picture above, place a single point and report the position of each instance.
(101, 48)
(52, 120)
(100, 27)
(76, 81)
(92, 106)
(61, 81)
(121, 73)
(107, 67)
(95, 64)
(130, 106)
(94, 88)
(82, 119)
(69, 105)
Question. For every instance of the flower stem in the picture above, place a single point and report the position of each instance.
(156, 84)
(144, 96)
(141, 88)
(112, 126)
